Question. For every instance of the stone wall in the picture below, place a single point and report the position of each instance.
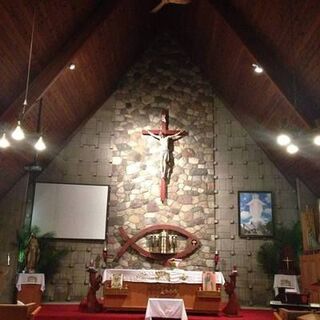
(164, 78)
(240, 165)
(85, 159)
(211, 164)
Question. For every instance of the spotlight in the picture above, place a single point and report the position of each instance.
(257, 68)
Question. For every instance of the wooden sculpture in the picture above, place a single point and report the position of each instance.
(232, 308)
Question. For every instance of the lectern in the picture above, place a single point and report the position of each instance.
(30, 287)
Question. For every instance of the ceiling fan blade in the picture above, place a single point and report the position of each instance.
(180, 1)
(158, 7)
(163, 2)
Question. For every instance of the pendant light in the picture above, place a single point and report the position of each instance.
(4, 142)
(18, 133)
(40, 145)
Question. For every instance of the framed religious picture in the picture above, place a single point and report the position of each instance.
(117, 280)
(255, 214)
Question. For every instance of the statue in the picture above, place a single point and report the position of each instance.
(164, 149)
(91, 303)
(232, 308)
(32, 254)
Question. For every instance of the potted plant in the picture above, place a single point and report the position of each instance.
(270, 253)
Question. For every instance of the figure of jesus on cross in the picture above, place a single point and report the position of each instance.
(164, 150)
(164, 135)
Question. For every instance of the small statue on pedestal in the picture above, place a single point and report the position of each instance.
(32, 254)
(232, 308)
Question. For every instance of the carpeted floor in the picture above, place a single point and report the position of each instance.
(71, 312)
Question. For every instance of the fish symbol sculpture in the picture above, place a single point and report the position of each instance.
(192, 242)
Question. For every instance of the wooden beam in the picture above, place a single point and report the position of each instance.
(281, 77)
(52, 71)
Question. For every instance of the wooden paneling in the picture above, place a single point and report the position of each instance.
(310, 274)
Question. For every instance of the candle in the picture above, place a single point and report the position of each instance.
(8, 259)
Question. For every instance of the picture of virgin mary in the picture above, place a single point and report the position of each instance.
(255, 214)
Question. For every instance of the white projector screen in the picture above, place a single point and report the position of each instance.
(71, 211)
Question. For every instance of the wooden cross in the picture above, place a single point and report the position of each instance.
(163, 135)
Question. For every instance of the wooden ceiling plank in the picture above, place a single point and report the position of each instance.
(281, 78)
(49, 74)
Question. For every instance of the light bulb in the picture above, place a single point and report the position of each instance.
(4, 143)
(40, 145)
(257, 68)
(292, 148)
(283, 139)
(316, 140)
(18, 133)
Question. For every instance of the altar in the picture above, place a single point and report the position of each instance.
(129, 289)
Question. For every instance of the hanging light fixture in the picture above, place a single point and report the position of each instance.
(18, 133)
(40, 145)
(4, 142)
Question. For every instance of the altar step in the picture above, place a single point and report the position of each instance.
(71, 312)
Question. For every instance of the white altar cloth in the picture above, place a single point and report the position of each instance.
(166, 308)
(160, 276)
(30, 278)
(289, 282)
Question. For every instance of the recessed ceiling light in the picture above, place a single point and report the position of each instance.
(283, 139)
(292, 148)
(257, 68)
(72, 66)
(316, 140)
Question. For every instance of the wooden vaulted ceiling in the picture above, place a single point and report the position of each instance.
(103, 38)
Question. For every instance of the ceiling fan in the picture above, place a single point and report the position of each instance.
(164, 2)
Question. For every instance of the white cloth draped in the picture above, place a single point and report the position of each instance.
(290, 282)
(166, 308)
(31, 278)
(160, 276)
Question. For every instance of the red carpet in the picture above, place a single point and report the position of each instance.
(71, 312)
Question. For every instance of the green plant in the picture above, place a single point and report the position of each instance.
(269, 254)
(50, 256)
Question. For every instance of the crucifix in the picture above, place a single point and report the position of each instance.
(164, 135)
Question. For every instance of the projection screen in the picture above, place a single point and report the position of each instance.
(71, 211)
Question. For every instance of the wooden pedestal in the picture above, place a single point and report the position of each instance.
(135, 295)
(30, 293)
